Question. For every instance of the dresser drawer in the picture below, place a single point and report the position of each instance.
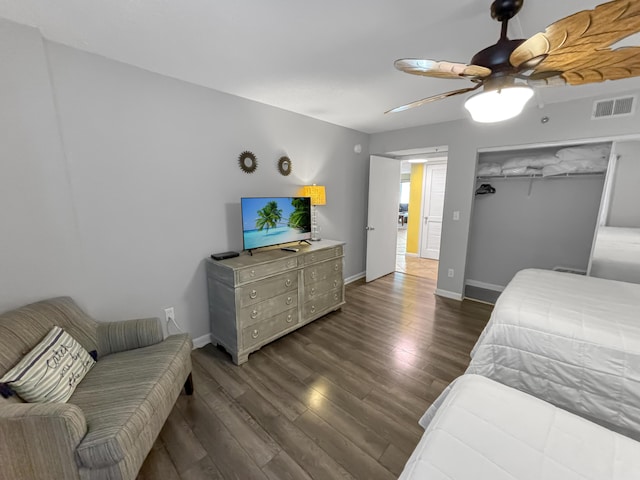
(256, 272)
(252, 314)
(259, 291)
(261, 331)
(322, 271)
(322, 303)
(321, 255)
(316, 289)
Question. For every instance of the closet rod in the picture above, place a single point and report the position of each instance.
(536, 176)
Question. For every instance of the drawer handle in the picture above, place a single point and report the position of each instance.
(289, 300)
(313, 274)
(335, 283)
(252, 273)
(336, 267)
(254, 314)
(254, 334)
(313, 290)
(253, 294)
(287, 282)
(313, 258)
(313, 308)
(289, 318)
(291, 264)
(335, 296)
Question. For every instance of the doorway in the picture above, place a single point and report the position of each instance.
(395, 228)
(423, 178)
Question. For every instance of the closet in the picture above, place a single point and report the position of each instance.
(534, 208)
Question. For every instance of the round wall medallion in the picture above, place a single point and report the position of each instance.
(284, 166)
(248, 162)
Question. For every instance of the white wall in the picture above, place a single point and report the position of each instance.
(568, 121)
(624, 210)
(118, 183)
(38, 230)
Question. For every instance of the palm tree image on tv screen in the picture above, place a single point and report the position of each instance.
(275, 220)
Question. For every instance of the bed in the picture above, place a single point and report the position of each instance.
(480, 429)
(571, 340)
(616, 254)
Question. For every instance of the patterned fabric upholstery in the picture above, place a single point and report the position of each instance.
(116, 337)
(122, 394)
(109, 424)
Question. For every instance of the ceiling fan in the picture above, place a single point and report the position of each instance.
(574, 50)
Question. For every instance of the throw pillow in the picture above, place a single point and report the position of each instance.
(51, 371)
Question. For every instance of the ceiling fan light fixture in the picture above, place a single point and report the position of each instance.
(493, 106)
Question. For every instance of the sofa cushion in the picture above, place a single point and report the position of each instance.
(23, 328)
(51, 371)
(124, 392)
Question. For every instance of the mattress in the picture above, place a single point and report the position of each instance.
(483, 430)
(616, 254)
(571, 340)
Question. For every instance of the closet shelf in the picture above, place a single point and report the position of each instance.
(538, 175)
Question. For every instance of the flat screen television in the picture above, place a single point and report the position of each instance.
(274, 220)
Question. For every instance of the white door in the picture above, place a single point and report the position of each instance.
(435, 179)
(382, 221)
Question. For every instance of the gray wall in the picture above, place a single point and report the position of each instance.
(512, 230)
(117, 183)
(624, 209)
(568, 121)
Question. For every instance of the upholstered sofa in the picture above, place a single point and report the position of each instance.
(108, 426)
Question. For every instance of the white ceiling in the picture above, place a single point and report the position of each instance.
(330, 59)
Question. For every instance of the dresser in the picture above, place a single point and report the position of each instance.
(254, 299)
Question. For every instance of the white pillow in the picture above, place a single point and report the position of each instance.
(579, 153)
(489, 169)
(51, 371)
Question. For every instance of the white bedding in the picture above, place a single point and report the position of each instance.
(483, 430)
(616, 254)
(571, 340)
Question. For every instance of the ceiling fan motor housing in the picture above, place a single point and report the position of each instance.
(496, 57)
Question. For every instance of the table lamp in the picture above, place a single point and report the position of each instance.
(318, 197)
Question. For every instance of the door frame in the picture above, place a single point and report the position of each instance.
(424, 194)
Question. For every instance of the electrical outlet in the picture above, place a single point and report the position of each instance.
(450, 273)
(169, 315)
(456, 215)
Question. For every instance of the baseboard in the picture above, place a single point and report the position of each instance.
(485, 285)
(407, 254)
(355, 277)
(447, 294)
(202, 341)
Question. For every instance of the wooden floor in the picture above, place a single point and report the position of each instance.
(412, 264)
(338, 398)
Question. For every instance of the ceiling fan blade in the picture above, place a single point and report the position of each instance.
(578, 45)
(433, 98)
(432, 68)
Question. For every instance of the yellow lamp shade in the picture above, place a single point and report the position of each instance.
(317, 194)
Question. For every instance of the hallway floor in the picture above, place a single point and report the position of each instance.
(413, 265)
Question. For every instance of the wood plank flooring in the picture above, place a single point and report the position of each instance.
(338, 398)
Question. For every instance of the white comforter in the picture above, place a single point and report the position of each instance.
(616, 254)
(571, 340)
(483, 430)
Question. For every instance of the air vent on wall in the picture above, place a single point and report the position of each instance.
(614, 107)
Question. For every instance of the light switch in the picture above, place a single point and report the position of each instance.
(456, 215)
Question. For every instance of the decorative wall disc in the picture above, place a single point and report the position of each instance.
(284, 166)
(248, 162)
